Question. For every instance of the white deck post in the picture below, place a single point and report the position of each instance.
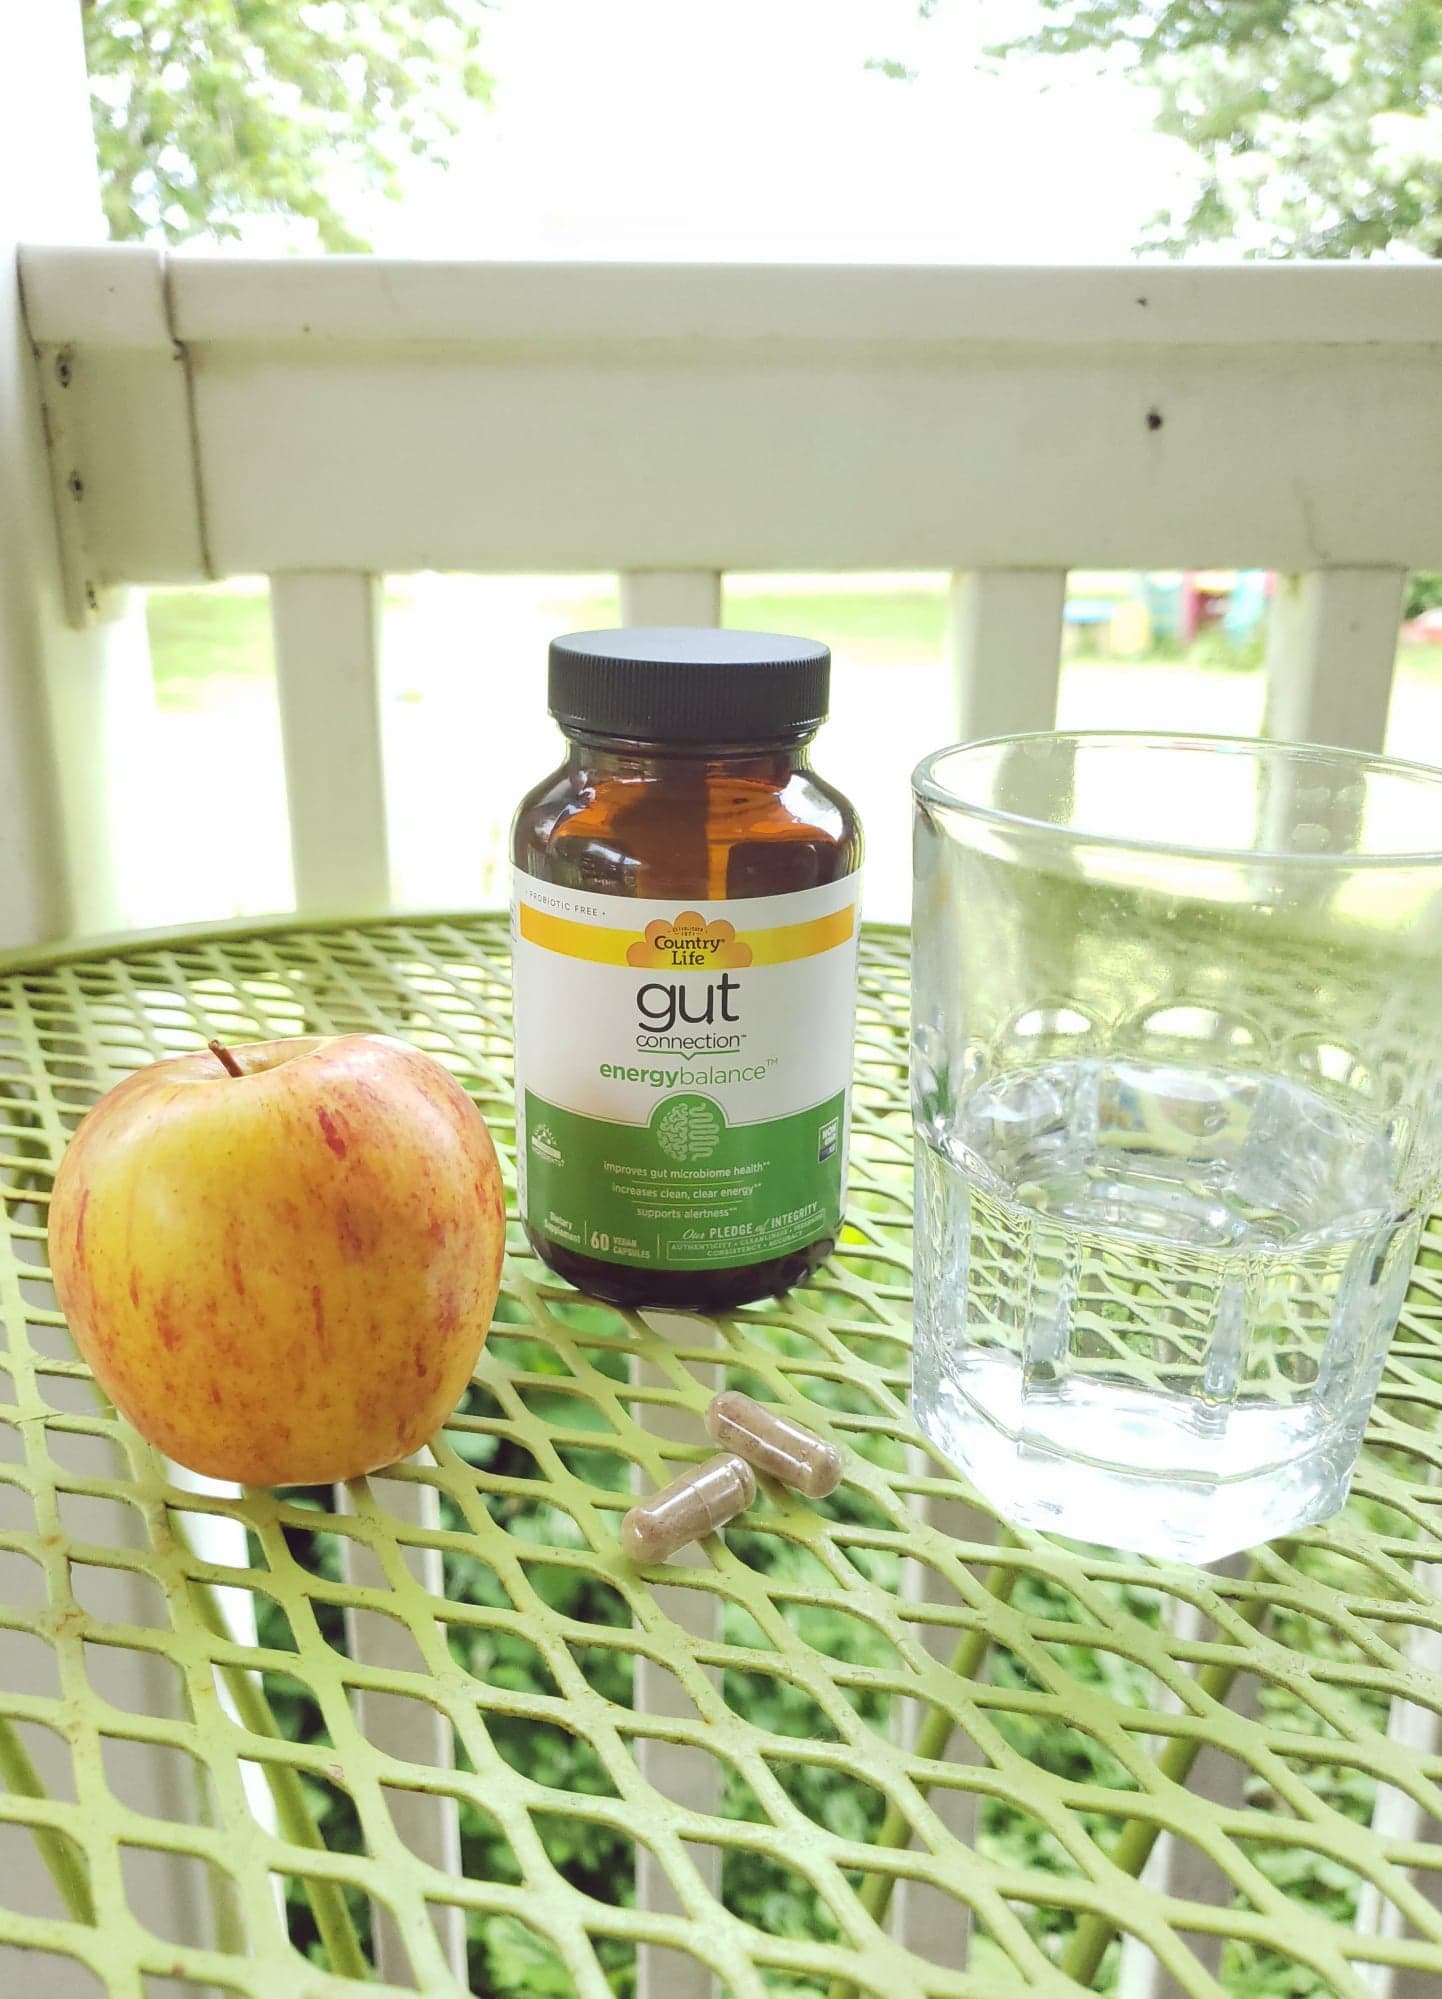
(47, 181)
(75, 692)
(103, 716)
(48, 186)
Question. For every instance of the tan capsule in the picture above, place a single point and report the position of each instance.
(774, 1444)
(696, 1503)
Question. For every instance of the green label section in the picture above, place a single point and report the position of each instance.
(686, 1191)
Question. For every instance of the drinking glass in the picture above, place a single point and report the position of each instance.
(1177, 1086)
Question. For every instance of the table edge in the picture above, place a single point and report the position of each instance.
(121, 943)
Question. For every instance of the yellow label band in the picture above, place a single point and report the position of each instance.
(669, 944)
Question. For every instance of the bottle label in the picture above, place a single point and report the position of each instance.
(683, 1071)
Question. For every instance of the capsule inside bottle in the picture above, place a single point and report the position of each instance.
(774, 1444)
(696, 1503)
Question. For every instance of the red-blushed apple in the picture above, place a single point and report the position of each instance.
(284, 1275)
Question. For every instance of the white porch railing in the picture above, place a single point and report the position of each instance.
(329, 422)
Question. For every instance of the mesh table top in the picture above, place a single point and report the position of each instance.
(858, 1681)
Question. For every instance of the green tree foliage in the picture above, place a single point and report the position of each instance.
(1318, 123)
(208, 111)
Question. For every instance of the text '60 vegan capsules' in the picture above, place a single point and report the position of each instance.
(684, 932)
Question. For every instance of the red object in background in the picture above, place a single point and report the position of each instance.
(1425, 629)
(1205, 596)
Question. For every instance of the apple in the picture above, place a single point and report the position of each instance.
(281, 1260)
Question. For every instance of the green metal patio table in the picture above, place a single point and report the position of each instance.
(881, 1692)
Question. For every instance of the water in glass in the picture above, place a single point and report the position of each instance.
(1154, 1300)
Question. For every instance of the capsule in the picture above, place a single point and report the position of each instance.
(696, 1503)
(774, 1444)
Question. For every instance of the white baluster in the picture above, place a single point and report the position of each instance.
(327, 666)
(671, 597)
(218, 1538)
(930, 1924)
(1176, 1867)
(410, 1730)
(1331, 647)
(169, 1897)
(676, 1771)
(1398, 1817)
(1004, 629)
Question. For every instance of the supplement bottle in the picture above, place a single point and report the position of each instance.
(684, 935)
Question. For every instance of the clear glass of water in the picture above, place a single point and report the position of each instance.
(1177, 1083)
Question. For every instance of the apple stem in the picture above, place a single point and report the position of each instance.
(224, 1057)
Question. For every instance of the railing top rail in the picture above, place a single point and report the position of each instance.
(104, 293)
(222, 416)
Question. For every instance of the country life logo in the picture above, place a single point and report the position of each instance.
(689, 943)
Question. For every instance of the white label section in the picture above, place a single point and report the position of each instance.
(620, 1001)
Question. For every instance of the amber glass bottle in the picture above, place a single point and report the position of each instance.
(684, 933)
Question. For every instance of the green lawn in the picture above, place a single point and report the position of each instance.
(198, 634)
(902, 625)
(195, 634)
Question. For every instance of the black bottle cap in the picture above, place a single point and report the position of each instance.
(688, 684)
